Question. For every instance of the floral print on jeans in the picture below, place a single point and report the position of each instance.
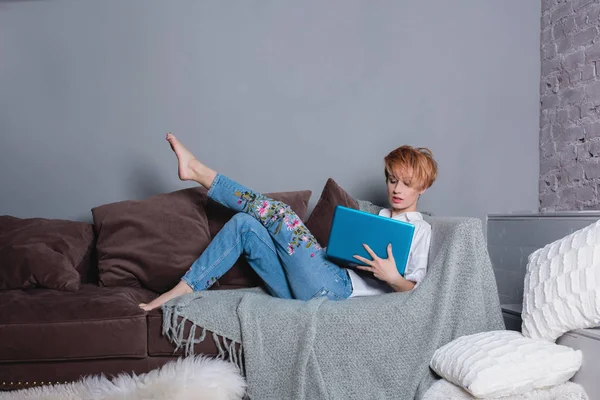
(276, 212)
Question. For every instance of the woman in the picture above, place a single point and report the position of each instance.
(282, 251)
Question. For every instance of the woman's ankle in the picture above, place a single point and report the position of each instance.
(204, 175)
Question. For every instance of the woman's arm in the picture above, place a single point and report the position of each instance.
(385, 268)
(419, 254)
(401, 285)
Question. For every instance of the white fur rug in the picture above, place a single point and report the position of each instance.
(188, 378)
(444, 390)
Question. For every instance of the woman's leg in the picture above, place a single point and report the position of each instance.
(309, 273)
(240, 235)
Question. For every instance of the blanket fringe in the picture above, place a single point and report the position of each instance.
(217, 340)
(173, 329)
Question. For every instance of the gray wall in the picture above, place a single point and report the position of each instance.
(570, 114)
(278, 95)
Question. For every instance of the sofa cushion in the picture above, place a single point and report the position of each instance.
(152, 243)
(49, 253)
(94, 322)
(319, 222)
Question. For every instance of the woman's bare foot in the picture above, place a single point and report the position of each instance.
(179, 290)
(190, 169)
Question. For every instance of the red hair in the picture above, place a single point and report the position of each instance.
(415, 166)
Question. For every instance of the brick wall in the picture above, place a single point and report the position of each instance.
(570, 105)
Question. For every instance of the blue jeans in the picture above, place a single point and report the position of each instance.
(276, 244)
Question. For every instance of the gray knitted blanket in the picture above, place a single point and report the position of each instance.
(375, 347)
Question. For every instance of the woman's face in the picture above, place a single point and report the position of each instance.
(401, 196)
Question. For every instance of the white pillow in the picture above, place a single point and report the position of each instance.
(501, 363)
(444, 390)
(562, 286)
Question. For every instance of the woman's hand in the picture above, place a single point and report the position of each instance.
(382, 268)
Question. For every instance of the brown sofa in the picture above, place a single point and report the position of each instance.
(69, 291)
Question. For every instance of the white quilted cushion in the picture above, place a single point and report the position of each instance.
(502, 363)
(562, 286)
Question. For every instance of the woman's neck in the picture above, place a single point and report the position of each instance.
(400, 212)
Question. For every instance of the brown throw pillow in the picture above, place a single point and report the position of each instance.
(38, 252)
(153, 242)
(319, 222)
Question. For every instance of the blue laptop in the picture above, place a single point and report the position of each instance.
(351, 228)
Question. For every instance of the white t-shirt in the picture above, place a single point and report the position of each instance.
(366, 284)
